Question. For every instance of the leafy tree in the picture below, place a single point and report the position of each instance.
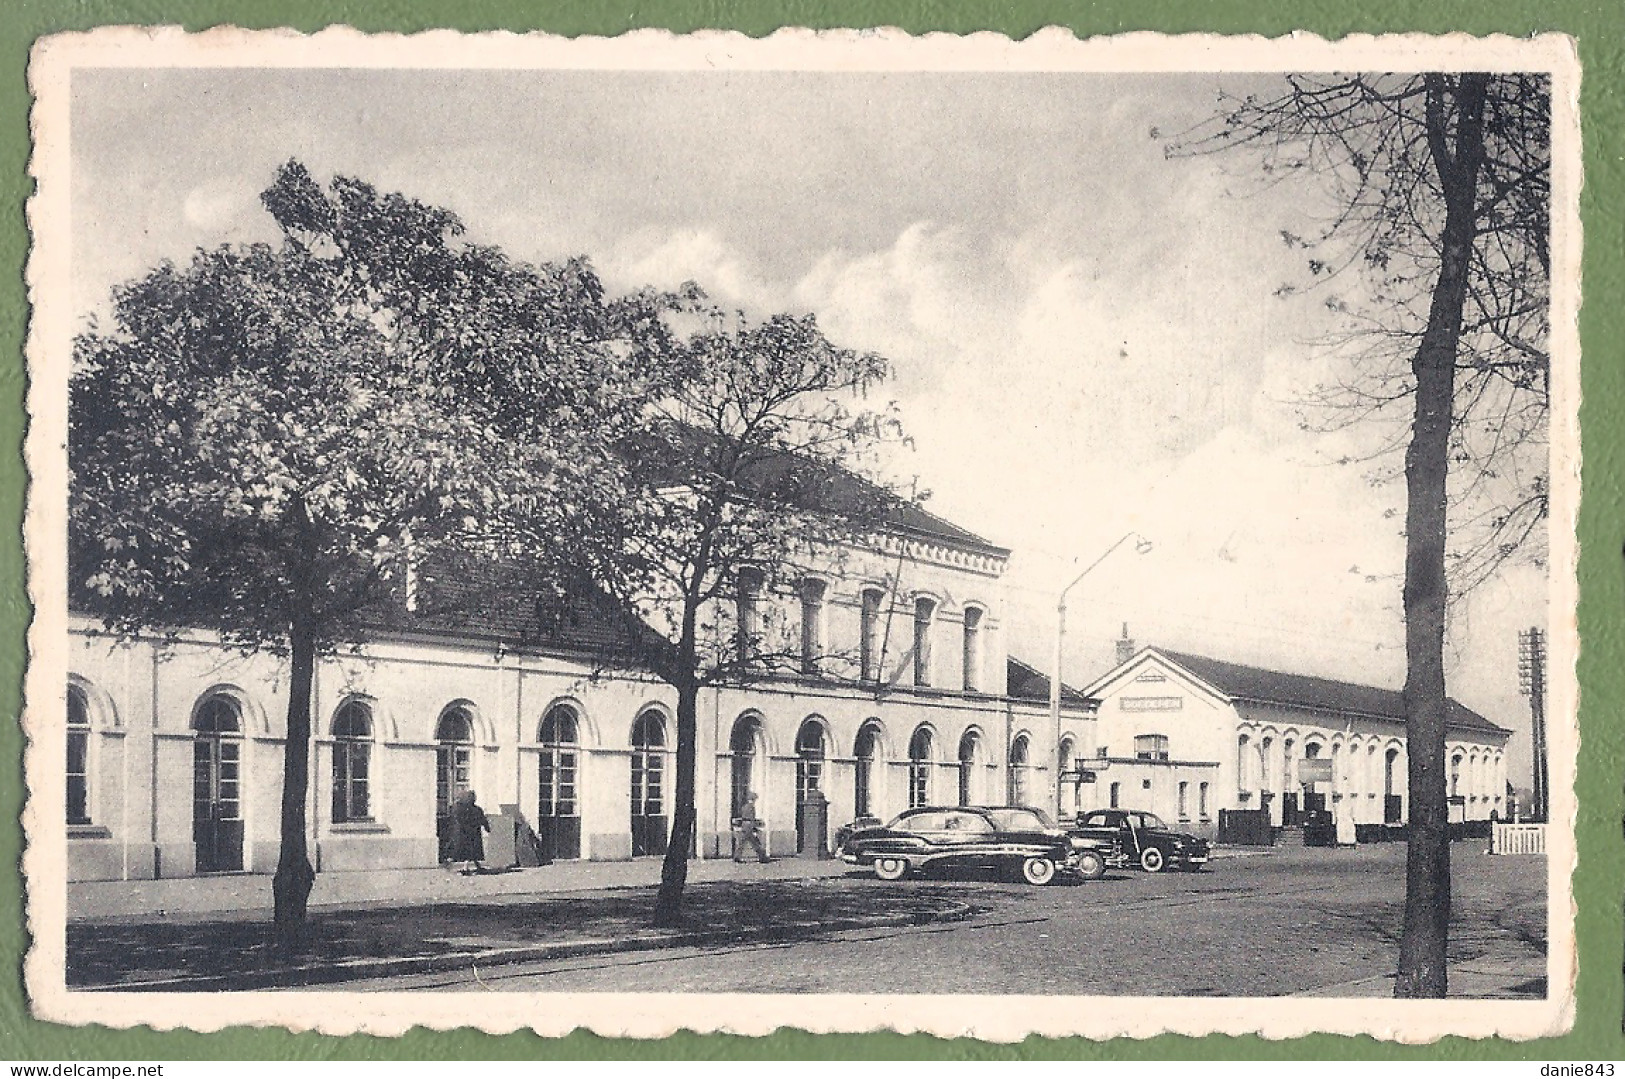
(1440, 188)
(742, 478)
(270, 433)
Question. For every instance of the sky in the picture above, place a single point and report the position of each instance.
(1085, 335)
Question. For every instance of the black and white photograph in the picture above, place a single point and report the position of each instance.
(839, 531)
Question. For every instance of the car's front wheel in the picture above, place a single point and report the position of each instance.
(1091, 866)
(1152, 861)
(1037, 870)
(891, 868)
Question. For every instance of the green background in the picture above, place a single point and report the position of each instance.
(1599, 881)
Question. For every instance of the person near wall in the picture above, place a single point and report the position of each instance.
(748, 831)
(468, 825)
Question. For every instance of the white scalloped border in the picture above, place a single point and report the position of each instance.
(991, 1018)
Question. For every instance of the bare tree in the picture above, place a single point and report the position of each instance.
(1439, 186)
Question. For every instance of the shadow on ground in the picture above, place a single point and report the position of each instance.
(197, 947)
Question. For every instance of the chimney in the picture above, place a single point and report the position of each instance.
(1125, 647)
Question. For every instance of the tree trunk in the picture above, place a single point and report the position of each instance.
(674, 870)
(294, 875)
(1424, 939)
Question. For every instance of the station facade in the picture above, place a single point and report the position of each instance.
(906, 697)
(1186, 736)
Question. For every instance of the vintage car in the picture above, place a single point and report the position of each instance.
(1012, 839)
(1144, 840)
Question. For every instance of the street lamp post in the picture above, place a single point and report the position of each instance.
(1141, 546)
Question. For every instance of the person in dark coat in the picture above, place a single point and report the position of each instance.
(467, 825)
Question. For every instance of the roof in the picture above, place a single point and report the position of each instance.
(483, 599)
(1263, 686)
(817, 486)
(1027, 683)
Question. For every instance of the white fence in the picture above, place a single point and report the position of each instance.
(1518, 839)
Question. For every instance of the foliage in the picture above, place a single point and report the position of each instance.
(742, 479)
(271, 437)
(268, 426)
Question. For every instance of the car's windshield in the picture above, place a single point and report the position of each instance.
(1019, 819)
(1151, 820)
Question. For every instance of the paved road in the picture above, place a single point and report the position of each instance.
(1318, 922)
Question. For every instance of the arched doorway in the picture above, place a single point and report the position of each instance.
(558, 809)
(217, 808)
(1289, 785)
(865, 751)
(649, 822)
(970, 747)
(1065, 758)
(1020, 780)
(1393, 804)
(1314, 801)
(78, 771)
(748, 752)
(810, 755)
(919, 768)
(453, 773)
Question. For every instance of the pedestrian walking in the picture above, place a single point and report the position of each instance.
(468, 825)
(748, 831)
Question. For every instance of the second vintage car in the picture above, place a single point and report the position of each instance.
(1012, 839)
(1144, 840)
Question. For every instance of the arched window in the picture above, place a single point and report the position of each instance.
(924, 611)
(745, 746)
(454, 759)
(919, 768)
(1455, 776)
(748, 615)
(865, 749)
(1265, 781)
(352, 762)
(648, 783)
(558, 812)
(869, 644)
(969, 750)
(78, 755)
(1243, 771)
(973, 649)
(1019, 767)
(218, 715)
(810, 754)
(812, 624)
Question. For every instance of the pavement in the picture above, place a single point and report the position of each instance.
(247, 892)
(243, 892)
(394, 925)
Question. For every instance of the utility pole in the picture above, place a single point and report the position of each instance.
(1056, 800)
(1532, 682)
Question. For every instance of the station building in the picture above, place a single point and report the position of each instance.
(1186, 736)
(905, 697)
